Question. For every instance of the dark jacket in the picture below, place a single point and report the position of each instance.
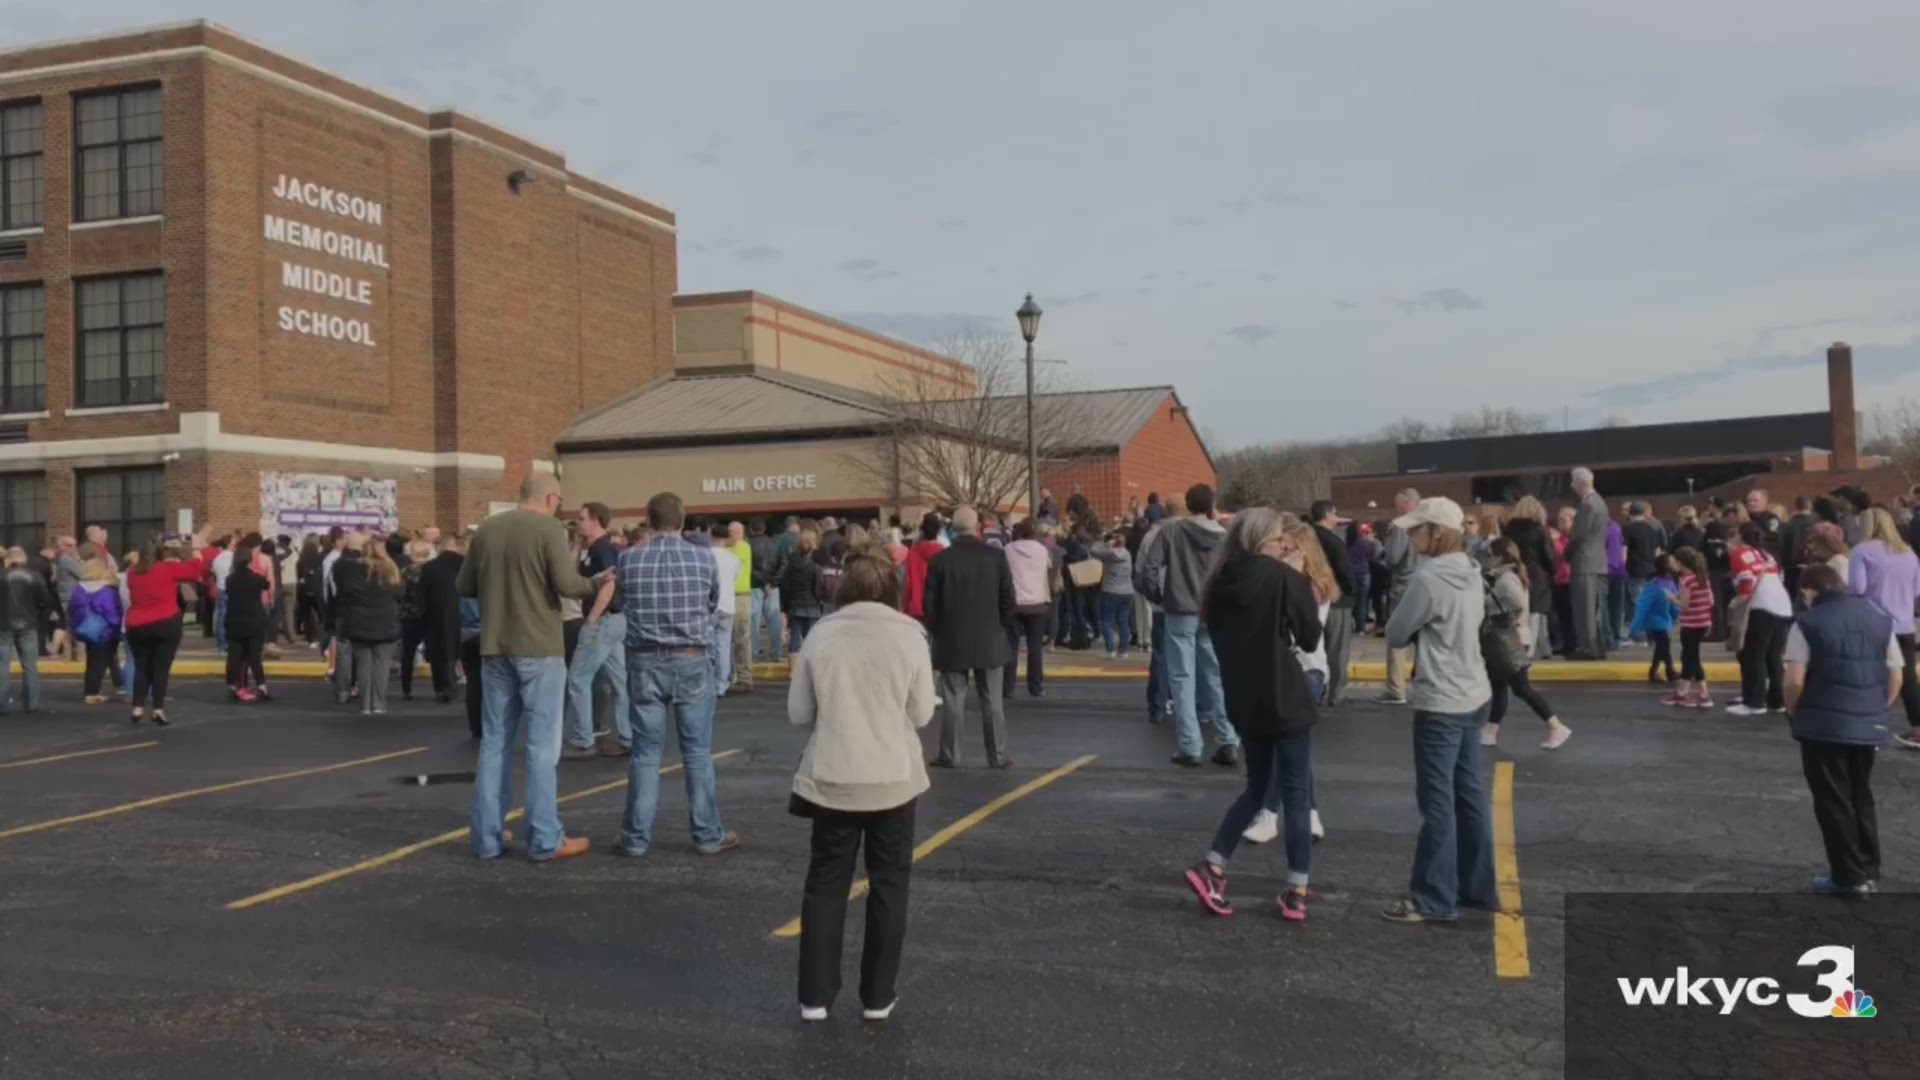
(969, 605)
(246, 606)
(1645, 540)
(364, 612)
(440, 606)
(1258, 610)
(1336, 552)
(767, 564)
(29, 599)
(1689, 536)
(800, 589)
(1846, 696)
(1536, 552)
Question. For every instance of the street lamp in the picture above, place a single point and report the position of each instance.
(1029, 316)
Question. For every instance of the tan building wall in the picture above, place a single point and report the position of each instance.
(731, 331)
(760, 478)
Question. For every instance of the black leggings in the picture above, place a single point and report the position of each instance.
(470, 661)
(1662, 653)
(1035, 629)
(100, 661)
(1763, 669)
(1690, 666)
(1521, 688)
(411, 635)
(244, 651)
(153, 646)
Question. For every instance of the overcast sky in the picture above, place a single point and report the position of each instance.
(1307, 219)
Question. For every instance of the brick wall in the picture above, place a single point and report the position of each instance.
(1165, 455)
(499, 316)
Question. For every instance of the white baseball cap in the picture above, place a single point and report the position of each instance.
(1438, 511)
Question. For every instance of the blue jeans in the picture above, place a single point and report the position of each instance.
(20, 643)
(720, 652)
(1193, 681)
(220, 621)
(516, 689)
(798, 627)
(1635, 586)
(656, 681)
(1279, 778)
(1116, 620)
(1317, 681)
(1157, 697)
(766, 627)
(1453, 859)
(602, 649)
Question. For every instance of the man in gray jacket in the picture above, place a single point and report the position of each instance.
(1587, 561)
(1171, 573)
(1401, 560)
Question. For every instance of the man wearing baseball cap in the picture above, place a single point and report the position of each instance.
(1440, 618)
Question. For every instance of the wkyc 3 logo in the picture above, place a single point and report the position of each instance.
(1841, 998)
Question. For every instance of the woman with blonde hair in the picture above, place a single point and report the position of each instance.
(370, 622)
(94, 612)
(1885, 572)
(1687, 532)
(801, 599)
(1829, 548)
(1262, 614)
(1509, 657)
(1527, 527)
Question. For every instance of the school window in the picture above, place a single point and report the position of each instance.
(131, 504)
(123, 340)
(23, 349)
(116, 140)
(22, 190)
(23, 510)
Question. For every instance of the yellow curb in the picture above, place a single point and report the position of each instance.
(1553, 671)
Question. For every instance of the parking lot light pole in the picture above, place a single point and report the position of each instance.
(1029, 316)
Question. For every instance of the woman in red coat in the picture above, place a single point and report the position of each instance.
(153, 621)
(922, 554)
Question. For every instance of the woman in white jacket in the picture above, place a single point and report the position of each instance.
(864, 684)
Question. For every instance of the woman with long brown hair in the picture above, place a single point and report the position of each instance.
(1527, 528)
(1300, 548)
(1509, 657)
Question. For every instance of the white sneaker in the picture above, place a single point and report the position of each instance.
(1490, 735)
(1741, 708)
(1266, 826)
(877, 1016)
(1557, 735)
(1319, 832)
(813, 1014)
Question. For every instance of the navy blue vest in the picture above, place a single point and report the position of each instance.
(1846, 695)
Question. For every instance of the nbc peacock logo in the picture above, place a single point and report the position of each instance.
(1854, 1005)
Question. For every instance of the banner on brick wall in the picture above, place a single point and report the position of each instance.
(301, 503)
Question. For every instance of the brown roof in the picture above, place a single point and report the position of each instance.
(692, 406)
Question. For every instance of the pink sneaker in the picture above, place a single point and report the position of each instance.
(244, 694)
(1293, 904)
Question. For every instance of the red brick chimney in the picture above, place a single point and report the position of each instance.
(1840, 411)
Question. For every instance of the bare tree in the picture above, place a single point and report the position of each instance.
(951, 444)
(1893, 432)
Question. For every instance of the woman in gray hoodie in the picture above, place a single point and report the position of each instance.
(1440, 616)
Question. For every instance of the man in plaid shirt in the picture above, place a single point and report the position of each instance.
(667, 591)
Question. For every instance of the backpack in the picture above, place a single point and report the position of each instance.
(94, 629)
(1500, 644)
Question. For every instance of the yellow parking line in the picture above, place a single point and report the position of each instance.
(939, 840)
(451, 836)
(75, 754)
(162, 800)
(1510, 926)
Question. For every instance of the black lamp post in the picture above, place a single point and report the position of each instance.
(1029, 316)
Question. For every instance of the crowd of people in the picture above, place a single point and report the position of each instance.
(589, 639)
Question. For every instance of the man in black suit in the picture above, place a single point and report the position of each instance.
(969, 605)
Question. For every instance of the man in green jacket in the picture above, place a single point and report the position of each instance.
(519, 567)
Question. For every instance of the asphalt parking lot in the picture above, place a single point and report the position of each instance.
(1052, 938)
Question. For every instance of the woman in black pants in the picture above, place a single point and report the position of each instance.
(247, 590)
(862, 687)
(153, 622)
(1762, 594)
(413, 613)
(1507, 616)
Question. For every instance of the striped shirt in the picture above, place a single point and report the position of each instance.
(1698, 613)
(667, 592)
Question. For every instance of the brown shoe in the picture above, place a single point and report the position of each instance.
(727, 843)
(579, 753)
(572, 847)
